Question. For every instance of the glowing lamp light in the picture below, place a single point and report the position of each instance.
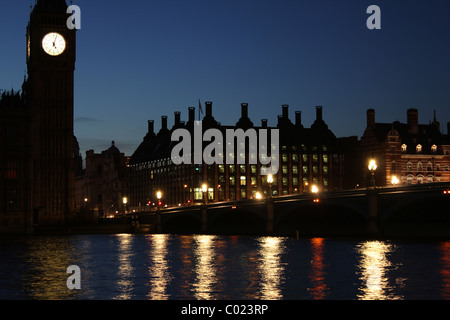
(314, 189)
(204, 187)
(125, 200)
(258, 195)
(269, 178)
(372, 165)
(394, 180)
(159, 195)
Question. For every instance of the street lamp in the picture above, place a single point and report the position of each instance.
(269, 181)
(158, 196)
(205, 190)
(394, 180)
(125, 201)
(372, 168)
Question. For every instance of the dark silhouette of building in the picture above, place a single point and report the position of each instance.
(405, 153)
(37, 143)
(307, 156)
(102, 186)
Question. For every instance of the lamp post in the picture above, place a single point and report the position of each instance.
(269, 181)
(125, 201)
(159, 196)
(372, 168)
(205, 190)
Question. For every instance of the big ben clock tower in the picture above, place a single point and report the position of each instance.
(50, 96)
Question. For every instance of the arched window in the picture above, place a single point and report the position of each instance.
(409, 166)
(420, 179)
(429, 167)
(419, 166)
(409, 179)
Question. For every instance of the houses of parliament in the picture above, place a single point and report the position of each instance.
(43, 181)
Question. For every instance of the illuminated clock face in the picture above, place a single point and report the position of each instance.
(53, 44)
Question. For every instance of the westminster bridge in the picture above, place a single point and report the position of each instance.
(413, 210)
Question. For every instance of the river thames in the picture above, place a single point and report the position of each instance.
(209, 267)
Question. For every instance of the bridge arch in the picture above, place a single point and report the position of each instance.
(181, 223)
(422, 208)
(325, 218)
(243, 220)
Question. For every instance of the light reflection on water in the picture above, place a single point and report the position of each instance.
(160, 267)
(374, 267)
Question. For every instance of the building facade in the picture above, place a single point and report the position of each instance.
(406, 153)
(102, 187)
(37, 183)
(307, 156)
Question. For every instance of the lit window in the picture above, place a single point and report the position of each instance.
(409, 167)
(419, 148)
(419, 166)
(243, 181)
(434, 148)
(404, 147)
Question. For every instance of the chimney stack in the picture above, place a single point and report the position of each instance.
(244, 110)
(285, 108)
(208, 108)
(413, 120)
(191, 114)
(177, 117)
(319, 113)
(264, 123)
(370, 118)
(150, 127)
(298, 118)
(163, 122)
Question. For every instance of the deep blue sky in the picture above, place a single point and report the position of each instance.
(142, 59)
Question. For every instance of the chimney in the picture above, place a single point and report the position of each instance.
(177, 117)
(285, 108)
(244, 110)
(413, 120)
(163, 122)
(370, 118)
(191, 114)
(319, 113)
(150, 127)
(264, 123)
(298, 118)
(208, 108)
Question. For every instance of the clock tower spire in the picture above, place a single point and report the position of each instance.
(51, 51)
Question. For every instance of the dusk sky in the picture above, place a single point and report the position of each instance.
(138, 60)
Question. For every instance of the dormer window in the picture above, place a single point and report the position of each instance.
(404, 147)
(433, 148)
(419, 148)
